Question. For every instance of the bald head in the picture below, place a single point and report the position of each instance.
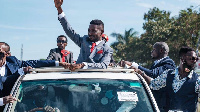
(162, 46)
(160, 50)
(7, 47)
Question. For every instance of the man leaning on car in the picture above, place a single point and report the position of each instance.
(11, 68)
(162, 62)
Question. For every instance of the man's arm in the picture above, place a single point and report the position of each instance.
(76, 38)
(147, 78)
(134, 65)
(39, 63)
(158, 70)
(44, 63)
(156, 83)
(122, 63)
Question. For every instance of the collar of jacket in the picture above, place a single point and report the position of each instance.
(12, 65)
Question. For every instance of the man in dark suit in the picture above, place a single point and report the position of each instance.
(94, 52)
(11, 68)
(60, 54)
(162, 62)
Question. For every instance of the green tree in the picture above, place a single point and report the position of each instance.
(123, 44)
(177, 31)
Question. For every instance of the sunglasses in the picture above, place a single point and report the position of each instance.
(191, 58)
(61, 41)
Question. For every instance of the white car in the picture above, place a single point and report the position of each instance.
(92, 90)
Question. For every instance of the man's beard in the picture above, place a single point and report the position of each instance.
(60, 48)
(94, 38)
(185, 65)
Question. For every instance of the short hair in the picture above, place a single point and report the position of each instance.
(184, 50)
(97, 22)
(8, 47)
(62, 36)
(163, 45)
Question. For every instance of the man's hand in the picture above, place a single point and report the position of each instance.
(8, 99)
(64, 64)
(58, 4)
(122, 63)
(135, 65)
(147, 78)
(76, 66)
(49, 109)
(137, 70)
(26, 69)
(111, 64)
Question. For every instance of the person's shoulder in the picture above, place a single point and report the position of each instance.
(11, 59)
(168, 60)
(169, 71)
(196, 74)
(86, 38)
(106, 46)
(54, 50)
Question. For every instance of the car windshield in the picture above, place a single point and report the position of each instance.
(82, 95)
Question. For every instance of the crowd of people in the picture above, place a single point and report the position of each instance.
(174, 88)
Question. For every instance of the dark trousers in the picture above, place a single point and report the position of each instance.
(160, 97)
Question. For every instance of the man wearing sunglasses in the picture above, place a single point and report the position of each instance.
(60, 54)
(11, 68)
(182, 84)
(94, 52)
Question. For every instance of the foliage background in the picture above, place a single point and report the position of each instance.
(177, 31)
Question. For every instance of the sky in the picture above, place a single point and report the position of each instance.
(34, 23)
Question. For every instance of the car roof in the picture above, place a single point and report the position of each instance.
(71, 75)
(81, 74)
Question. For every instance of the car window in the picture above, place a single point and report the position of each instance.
(83, 95)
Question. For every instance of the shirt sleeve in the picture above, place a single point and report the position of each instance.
(159, 82)
(21, 71)
(197, 87)
(86, 65)
(1, 102)
(61, 15)
(57, 63)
